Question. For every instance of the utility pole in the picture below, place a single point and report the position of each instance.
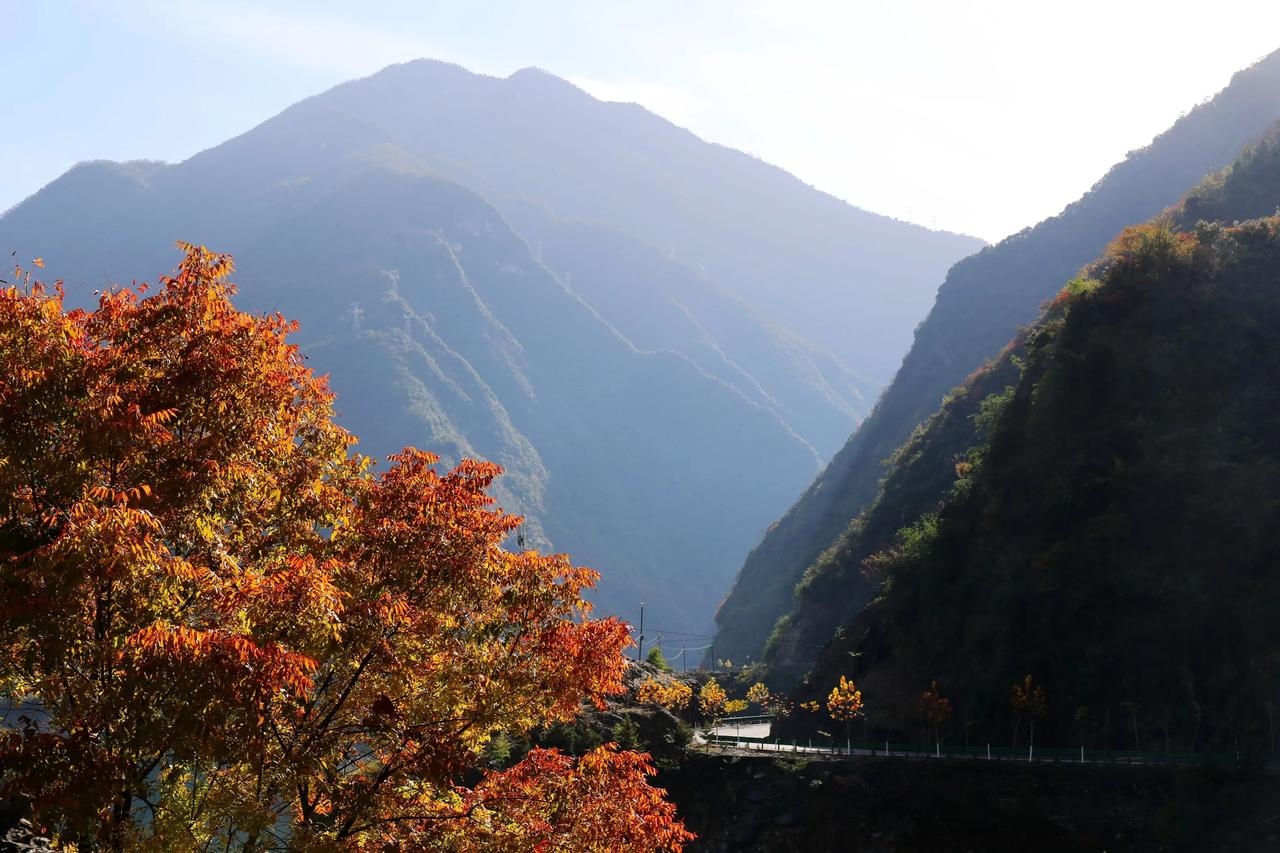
(640, 651)
(684, 667)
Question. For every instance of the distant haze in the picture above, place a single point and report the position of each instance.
(979, 118)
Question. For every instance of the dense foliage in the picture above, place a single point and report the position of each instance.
(219, 629)
(921, 474)
(1114, 536)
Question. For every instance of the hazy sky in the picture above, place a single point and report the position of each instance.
(980, 117)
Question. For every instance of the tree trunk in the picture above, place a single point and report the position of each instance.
(119, 817)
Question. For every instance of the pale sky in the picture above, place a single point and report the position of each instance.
(979, 117)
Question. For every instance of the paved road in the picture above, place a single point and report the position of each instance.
(750, 730)
(751, 746)
(753, 729)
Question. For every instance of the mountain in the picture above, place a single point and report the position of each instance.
(660, 304)
(470, 261)
(1111, 533)
(980, 306)
(852, 282)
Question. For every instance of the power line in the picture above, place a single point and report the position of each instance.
(682, 633)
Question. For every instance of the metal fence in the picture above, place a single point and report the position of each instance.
(1060, 755)
(747, 720)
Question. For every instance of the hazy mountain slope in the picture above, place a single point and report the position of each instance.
(979, 307)
(658, 303)
(633, 443)
(544, 152)
(441, 329)
(852, 282)
(1114, 536)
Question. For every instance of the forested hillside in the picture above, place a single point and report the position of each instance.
(1111, 533)
(487, 267)
(979, 308)
(921, 473)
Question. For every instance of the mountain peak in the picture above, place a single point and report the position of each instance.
(416, 72)
(542, 79)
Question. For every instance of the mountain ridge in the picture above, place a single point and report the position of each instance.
(979, 307)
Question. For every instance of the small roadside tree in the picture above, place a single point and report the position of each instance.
(935, 709)
(1027, 698)
(711, 703)
(759, 694)
(657, 660)
(844, 703)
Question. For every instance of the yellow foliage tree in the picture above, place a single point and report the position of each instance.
(760, 695)
(711, 702)
(844, 703)
(674, 696)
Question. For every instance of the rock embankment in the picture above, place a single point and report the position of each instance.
(746, 804)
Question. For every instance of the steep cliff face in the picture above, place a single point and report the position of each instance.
(981, 304)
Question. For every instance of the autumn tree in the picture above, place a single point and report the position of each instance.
(844, 704)
(599, 804)
(759, 694)
(673, 696)
(934, 709)
(221, 629)
(1027, 699)
(711, 702)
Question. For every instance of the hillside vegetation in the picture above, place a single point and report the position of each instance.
(1110, 533)
(980, 306)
